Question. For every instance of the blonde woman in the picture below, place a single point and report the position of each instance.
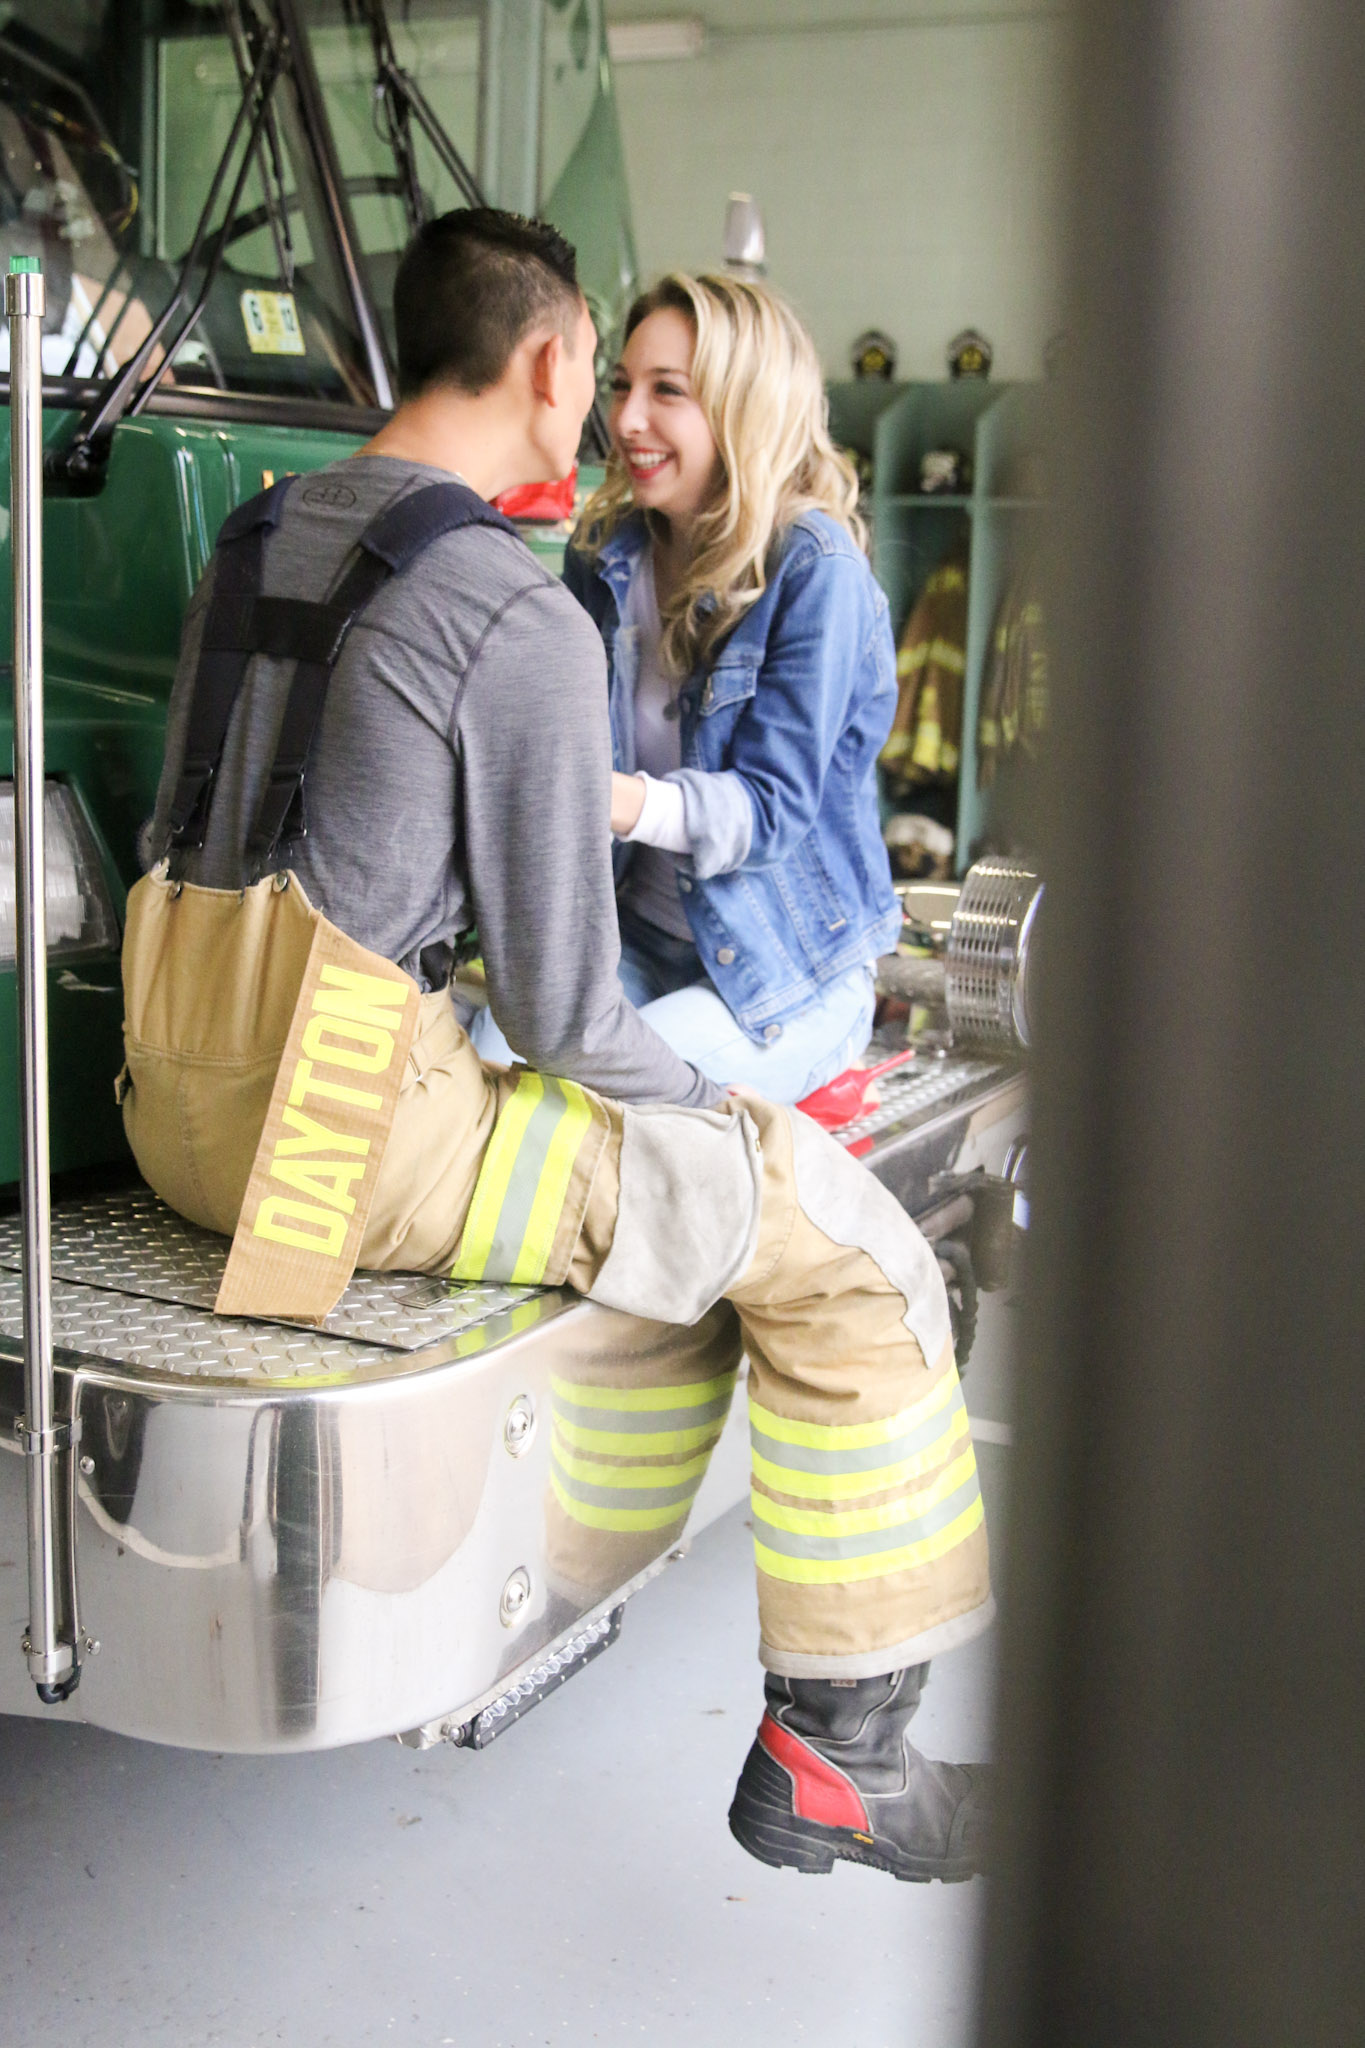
(752, 685)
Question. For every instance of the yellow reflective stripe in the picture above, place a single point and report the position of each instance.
(946, 654)
(492, 1332)
(495, 1177)
(887, 1514)
(593, 1474)
(819, 1571)
(524, 1181)
(852, 1436)
(926, 749)
(849, 1485)
(552, 1187)
(641, 1400)
(637, 1443)
(616, 1518)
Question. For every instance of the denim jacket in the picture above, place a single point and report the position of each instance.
(788, 884)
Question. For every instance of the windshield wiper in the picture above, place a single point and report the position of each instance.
(272, 172)
(402, 100)
(395, 127)
(81, 462)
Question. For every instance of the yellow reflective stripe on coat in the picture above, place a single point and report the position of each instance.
(832, 1539)
(523, 1183)
(834, 1441)
(844, 1571)
(854, 1484)
(622, 1520)
(641, 1443)
(635, 1422)
(825, 1525)
(604, 1435)
(594, 1473)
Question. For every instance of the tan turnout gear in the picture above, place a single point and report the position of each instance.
(868, 1524)
(924, 744)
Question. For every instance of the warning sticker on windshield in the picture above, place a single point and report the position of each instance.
(271, 320)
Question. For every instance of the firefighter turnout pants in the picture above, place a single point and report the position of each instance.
(868, 1524)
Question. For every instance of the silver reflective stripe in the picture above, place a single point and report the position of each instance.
(629, 1496)
(524, 1182)
(803, 1458)
(913, 1530)
(641, 1421)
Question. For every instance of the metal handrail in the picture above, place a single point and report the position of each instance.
(53, 1664)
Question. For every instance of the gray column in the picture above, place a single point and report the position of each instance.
(1183, 1719)
(509, 103)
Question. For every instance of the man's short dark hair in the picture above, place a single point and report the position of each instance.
(471, 285)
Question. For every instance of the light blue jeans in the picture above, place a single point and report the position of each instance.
(662, 977)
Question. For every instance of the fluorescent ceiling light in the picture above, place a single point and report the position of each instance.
(654, 42)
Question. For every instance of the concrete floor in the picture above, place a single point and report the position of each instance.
(575, 1883)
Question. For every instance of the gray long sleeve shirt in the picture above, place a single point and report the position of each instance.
(460, 775)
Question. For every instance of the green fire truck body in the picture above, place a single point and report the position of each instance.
(116, 122)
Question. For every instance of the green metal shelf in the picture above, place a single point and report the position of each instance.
(938, 501)
(994, 425)
(927, 501)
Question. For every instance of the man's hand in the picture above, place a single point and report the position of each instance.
(627, 802)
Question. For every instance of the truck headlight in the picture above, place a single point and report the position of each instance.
(80, 911)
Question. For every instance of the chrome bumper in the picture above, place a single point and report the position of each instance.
(293, 1539)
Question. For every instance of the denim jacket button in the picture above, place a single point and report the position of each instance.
(726, 957)
(773, 1031)
(707, 694)
(685, 885)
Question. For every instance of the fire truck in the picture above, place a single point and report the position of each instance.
(240, 1535)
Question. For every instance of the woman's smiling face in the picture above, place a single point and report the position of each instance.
(659, 428)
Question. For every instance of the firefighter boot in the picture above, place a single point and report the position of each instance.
(832, 1773)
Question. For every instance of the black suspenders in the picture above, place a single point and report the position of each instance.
(242, 623)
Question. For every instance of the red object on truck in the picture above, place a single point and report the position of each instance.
(540, 501)
(849, 1095)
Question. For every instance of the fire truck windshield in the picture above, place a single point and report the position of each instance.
(157, 156)
(401, 86)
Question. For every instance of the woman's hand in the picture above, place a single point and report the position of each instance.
(627, 802)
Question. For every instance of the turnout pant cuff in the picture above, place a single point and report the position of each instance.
(917, 1649)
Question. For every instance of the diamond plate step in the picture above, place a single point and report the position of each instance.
(130, 1244)
(910, 1093)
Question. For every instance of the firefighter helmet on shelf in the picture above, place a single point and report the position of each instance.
(874, 355)
(970, 354)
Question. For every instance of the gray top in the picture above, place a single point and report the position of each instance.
(460, 774)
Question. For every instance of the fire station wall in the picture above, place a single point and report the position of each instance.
(906, 158)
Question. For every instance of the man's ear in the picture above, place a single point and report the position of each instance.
(547, 368)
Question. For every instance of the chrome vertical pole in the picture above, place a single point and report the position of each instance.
(52, 1663)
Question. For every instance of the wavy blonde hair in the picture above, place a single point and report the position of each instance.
(757, 378)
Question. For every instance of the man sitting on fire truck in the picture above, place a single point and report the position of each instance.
(388, 726)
